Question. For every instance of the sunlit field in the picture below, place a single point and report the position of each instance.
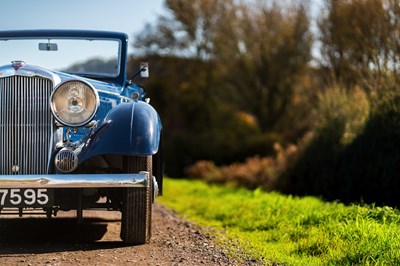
(290, 230)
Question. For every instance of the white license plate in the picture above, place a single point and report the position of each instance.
(26, 197)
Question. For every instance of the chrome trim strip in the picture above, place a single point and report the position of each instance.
(123, 98)
(29, 71)
(110, 93)
(75, 181)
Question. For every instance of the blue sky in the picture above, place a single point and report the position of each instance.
(128, 16)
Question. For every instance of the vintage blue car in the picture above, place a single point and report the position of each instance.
(75, 133)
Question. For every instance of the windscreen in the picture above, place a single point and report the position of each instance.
(97, 57)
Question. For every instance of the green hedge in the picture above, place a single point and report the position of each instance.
(350, 159)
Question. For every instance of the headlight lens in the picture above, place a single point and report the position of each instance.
(74, 103)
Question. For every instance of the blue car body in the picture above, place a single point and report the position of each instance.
(94, 154)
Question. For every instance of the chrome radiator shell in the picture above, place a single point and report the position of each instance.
(25, 125)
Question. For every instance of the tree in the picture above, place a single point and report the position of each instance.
(186, 31)
(358, 40)
(256, 51)
(233, 69)
(264, 50)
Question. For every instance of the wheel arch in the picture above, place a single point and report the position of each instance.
(132, 129)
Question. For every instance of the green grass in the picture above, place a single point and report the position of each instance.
(291, 230)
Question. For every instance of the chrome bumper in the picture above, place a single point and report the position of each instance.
(75, 181)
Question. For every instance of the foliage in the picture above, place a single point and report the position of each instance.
(196, 126)
(357, 165)
(255, 172)
(360, 40)
(264, 51)
(373, 159)
(341, 114)
(290, 230)
(231, 76)
(365, 169)
(319, 156)
(186, 30)
(353, 155)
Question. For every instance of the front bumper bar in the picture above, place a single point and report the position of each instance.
(75, 181)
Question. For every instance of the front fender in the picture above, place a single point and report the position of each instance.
(128, 129)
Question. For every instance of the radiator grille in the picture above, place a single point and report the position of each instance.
(25, 125)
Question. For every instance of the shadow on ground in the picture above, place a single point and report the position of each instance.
(42, 235)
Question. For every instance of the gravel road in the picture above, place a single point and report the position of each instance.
(61, 241)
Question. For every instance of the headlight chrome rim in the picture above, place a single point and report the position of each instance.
(57, 115)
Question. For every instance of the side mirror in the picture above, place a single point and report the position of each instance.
(144, 70)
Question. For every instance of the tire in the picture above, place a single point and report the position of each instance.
(137, 204)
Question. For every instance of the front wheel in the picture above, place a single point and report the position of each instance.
(137, 204)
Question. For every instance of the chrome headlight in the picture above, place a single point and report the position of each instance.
(74, 103)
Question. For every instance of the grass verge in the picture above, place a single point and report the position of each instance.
(291, 230)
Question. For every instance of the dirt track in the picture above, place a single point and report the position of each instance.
(61, 241)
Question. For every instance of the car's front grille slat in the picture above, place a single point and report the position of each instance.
(25, 124)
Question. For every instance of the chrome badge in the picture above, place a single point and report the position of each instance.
(17, 64)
